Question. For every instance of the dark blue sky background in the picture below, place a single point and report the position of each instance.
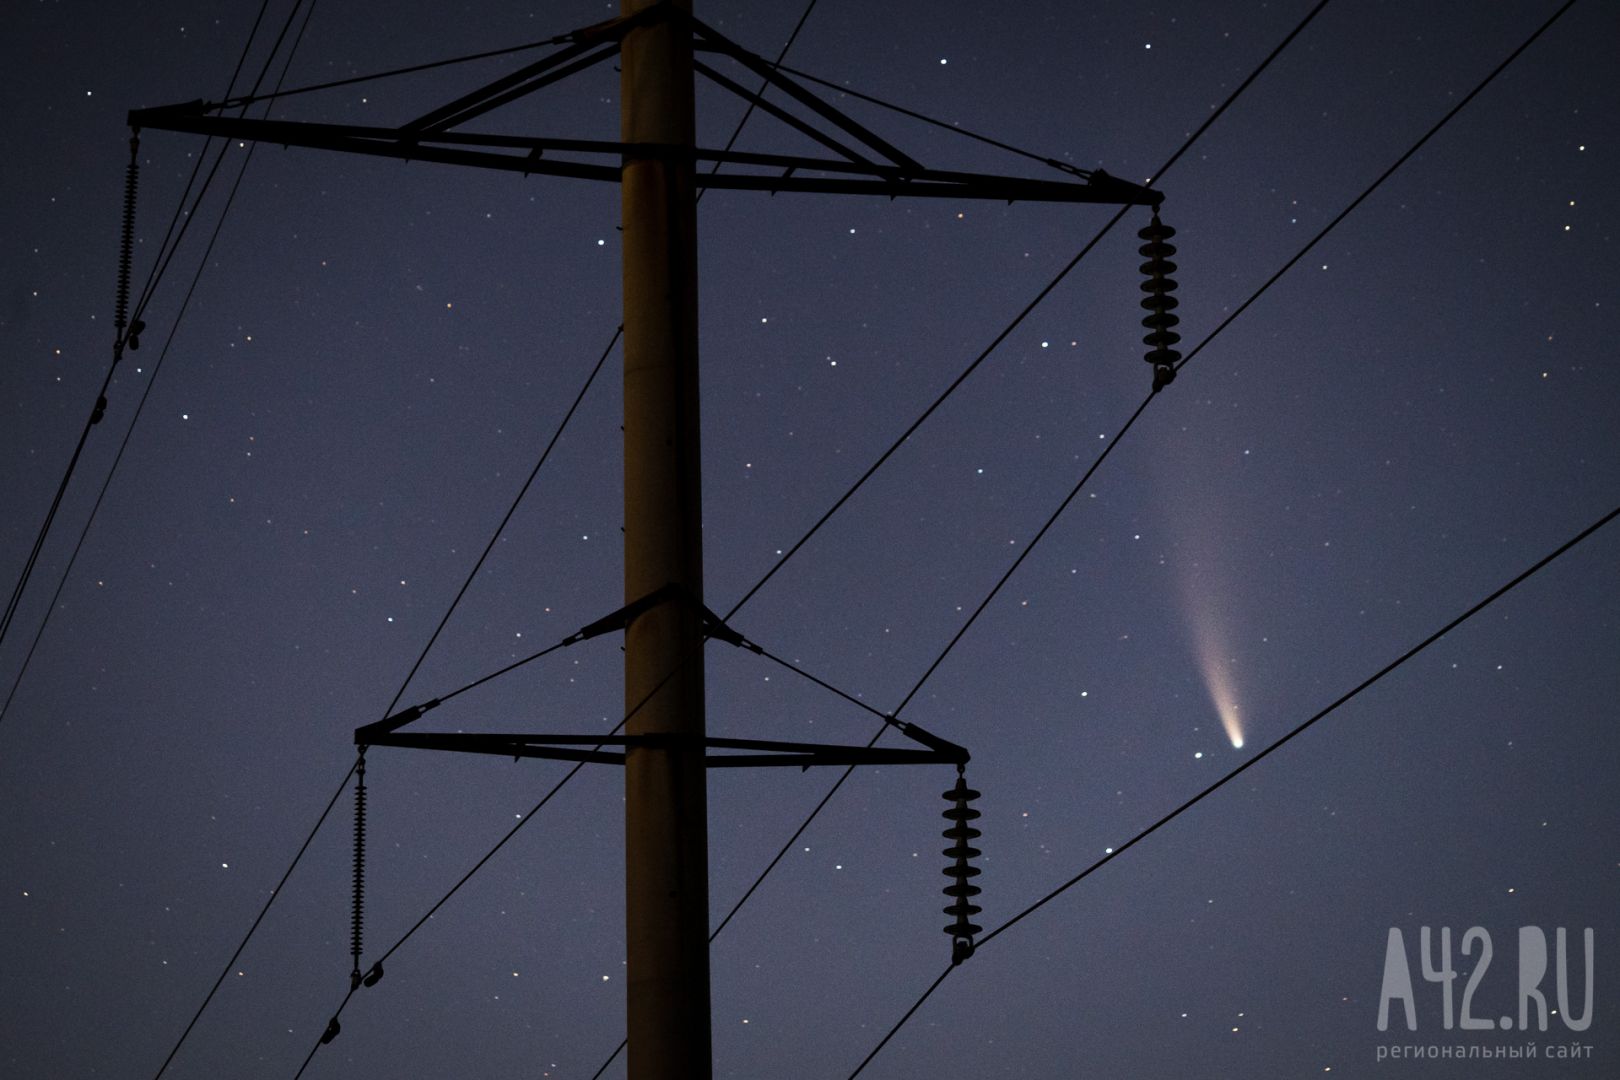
(377, 352)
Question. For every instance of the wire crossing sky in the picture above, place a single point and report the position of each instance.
(377, 353)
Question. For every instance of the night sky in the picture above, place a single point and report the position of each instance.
(377, 352)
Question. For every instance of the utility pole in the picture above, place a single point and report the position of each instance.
(666, 750)
(665, 786)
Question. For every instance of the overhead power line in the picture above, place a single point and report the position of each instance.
(411, 674)
(501, 528)
(1385, 175)
(98, 410)
(1021, 316)
(263, 911)
(957, 129)
(118, 457)
(251, 99)
(888, 719)
(1366, 683)
(1300, 728)
(555, 788)
(482, 861)
(882, 459)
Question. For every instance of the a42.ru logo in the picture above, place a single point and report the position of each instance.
(1436, 967)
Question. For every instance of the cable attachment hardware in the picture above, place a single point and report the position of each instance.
(126, 252)
(1158, 301)
(355, 937)
(960, 872)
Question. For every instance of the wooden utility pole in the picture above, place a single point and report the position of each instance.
(666, 804)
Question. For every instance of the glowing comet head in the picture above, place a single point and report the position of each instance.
(1204, 523)
(1218, 680)
(1228, 710)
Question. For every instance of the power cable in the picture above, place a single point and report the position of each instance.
(499, 529)
(202, 153)
(1453, 111)
(1217, 330)
(1052, 519)
(174, 328)
(1023, 314)
(786, 847)
(123, 445)
(888, 718)
(332, 1026)
(400, 692)
(752, 103)
(1114, 853)
(737, 131)
(1027, 549)
(263, 911)
(97, 412)
(569, 775)
(824, 684)
(1061, 166)
(1208, 121)
(251, 99)
(161, 263)
(1376, 676)
(616, 335)
(99, 409)
(736, 607)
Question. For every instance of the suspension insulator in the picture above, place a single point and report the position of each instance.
(357, 925)
(126, 244)
(1158, 301)
(961, 888)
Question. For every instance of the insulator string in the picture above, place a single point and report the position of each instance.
(961, 889)
(1158, 301)
(126, 241)
(356, 936)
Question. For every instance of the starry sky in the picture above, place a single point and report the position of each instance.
(377, 352)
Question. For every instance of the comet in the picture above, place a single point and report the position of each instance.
(1215, 665)
(1202, 529)
(1218, 681)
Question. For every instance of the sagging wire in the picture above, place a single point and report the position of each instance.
(1589, 530)
(99, 410)
(1298, 729)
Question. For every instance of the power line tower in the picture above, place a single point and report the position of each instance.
(665, 750)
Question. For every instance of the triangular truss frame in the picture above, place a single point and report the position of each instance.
(864, 163)
(743, 753)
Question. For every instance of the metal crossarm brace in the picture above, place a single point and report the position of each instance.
(764, 752)
(713, 40)
(429, 138)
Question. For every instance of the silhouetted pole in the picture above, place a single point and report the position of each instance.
(666, 843)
